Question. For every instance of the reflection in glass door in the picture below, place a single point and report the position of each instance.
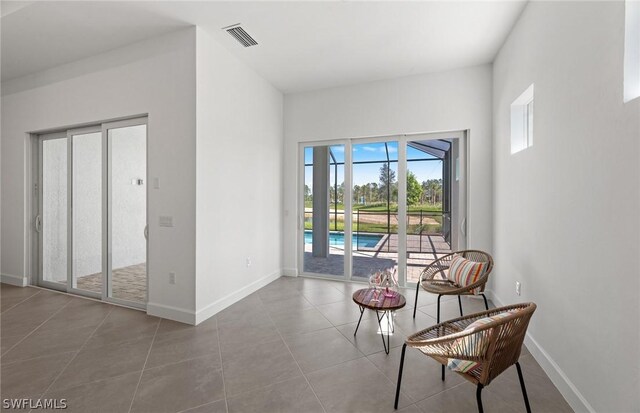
(375, 207)
(324, 237)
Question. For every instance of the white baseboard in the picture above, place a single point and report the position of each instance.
(558, 377)
(491, 297)
(290, 272)
(14, 280)
(172, 313)
(224, 302)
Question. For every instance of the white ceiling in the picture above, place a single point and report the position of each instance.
(302, 45)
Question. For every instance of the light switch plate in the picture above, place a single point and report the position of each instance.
(165, 221)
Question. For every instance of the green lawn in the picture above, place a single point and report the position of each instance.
(382, 227)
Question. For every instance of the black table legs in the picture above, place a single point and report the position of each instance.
(380, 315)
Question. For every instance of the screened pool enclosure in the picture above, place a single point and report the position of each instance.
(392, 203)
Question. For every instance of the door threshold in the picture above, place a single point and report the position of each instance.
(144, 310)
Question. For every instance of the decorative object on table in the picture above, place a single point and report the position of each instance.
(459, 273)
(375, 281)
(389, 282)
(478, 347)
(366, 299)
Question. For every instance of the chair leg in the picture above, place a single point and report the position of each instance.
(524, 389)
(486, 304)
(460, 305)
(479, 397)
(443, 372)
(415, 305)
(438, 319)
(404, 348)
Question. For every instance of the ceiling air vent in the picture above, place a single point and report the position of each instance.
(240, 35)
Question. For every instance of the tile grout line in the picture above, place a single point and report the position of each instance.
(175, 362)
(38, 326)
(296, 361)
(99, 380)
(76, 355)
(388, 379)
(412, 402)
(224, 385)
(129, 372)
(440, 392)
(36, 358)
(336, 327)
(135, 393)
(201, 405)
(20, 302)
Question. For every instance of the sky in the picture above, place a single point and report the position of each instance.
(366, 173)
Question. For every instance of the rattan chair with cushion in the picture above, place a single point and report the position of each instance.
(478, 347)
(436, 278)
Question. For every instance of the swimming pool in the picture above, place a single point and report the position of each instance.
(337, 239)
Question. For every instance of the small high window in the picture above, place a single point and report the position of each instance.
(522, 121)
(632, 50)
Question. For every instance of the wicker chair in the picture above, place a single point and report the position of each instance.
(497, 346)
(434, 279)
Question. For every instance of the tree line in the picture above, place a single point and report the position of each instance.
(372, 193)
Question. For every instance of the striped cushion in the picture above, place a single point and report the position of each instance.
(463, 272)
(472, 344)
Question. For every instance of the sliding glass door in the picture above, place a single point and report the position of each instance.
(435, 200)
(127, 195)
(324, 217)
(51, 222)
(92, 211)
(404, 196)
(86, 215)
(375, 207)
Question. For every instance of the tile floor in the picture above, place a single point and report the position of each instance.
(289, 347)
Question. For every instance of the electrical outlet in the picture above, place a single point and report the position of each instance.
(248, 262)
(518, 288)
(172, 278)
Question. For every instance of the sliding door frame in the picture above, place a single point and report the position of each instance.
(403, 140)
(301, 209)
(106, 218)
(38, 223)
(71, 288)
(107, 290)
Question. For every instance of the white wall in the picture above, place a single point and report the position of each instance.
(239, 179)
(156, 76)
(566, 220)
(454, 100)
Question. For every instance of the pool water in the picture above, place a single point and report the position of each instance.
(337, 239)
